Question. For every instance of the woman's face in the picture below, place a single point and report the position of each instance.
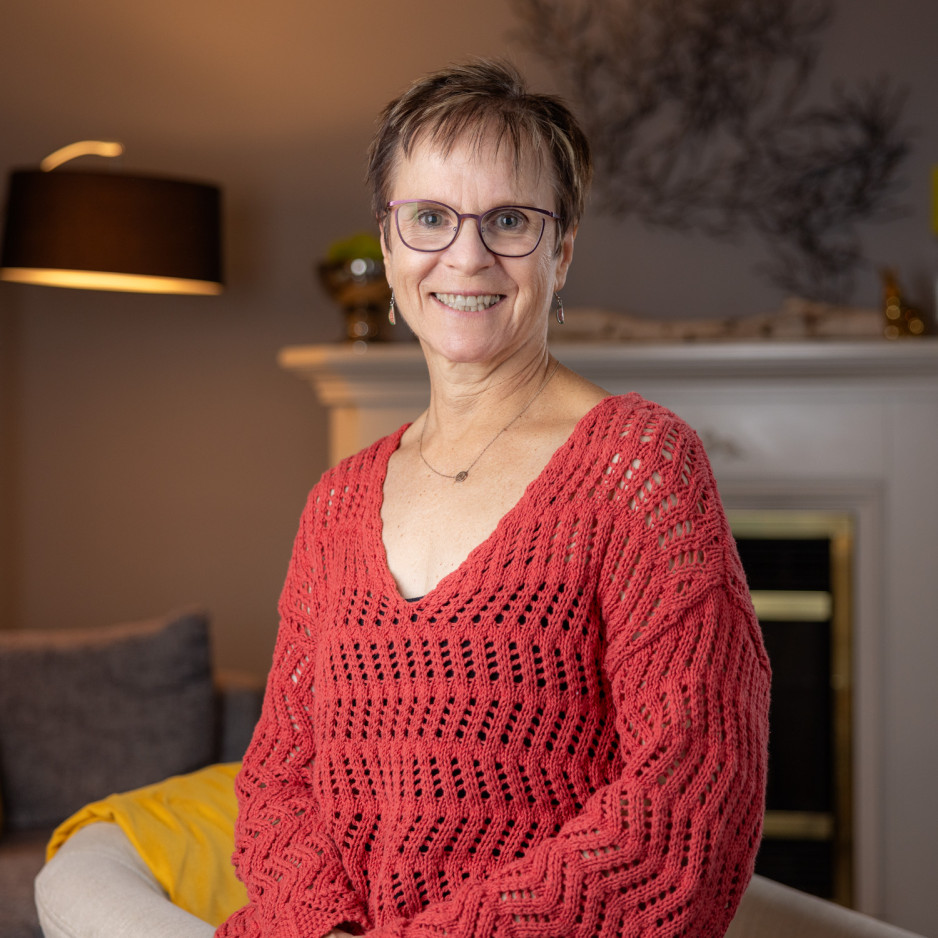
(510, 296)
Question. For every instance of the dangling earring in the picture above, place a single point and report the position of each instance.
(391, 318)
(559, 309)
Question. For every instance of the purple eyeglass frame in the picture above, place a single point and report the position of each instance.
(461, 216)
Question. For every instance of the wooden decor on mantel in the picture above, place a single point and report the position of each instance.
(797, 319)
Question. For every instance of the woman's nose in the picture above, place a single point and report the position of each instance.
(468, 250)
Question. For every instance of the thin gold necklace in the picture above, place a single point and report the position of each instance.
(464, 474)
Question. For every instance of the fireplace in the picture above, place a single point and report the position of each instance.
(817, 441)
(798, 565)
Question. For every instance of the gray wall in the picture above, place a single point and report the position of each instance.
(153, 455)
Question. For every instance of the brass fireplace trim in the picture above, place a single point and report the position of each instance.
(838, 527)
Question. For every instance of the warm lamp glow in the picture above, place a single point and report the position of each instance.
(111, 231)
(102, 280)
(81, 148)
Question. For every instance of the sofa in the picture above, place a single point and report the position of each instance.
(84, 713)
(771, 910)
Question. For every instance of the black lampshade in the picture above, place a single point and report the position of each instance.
(112, 231)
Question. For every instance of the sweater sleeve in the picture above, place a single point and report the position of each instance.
(296, 882)
(667, 847)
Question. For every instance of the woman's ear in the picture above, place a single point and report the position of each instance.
(564, 258)
(385, 251)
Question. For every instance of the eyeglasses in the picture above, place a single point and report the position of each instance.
(509, 230)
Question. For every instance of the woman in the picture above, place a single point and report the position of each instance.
(519, 687)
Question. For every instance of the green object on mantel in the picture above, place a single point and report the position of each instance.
(364, 245)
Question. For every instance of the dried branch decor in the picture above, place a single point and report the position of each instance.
(699, 117)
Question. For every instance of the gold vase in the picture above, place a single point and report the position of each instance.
(359, 288)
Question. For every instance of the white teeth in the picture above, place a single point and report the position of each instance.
(472, 303)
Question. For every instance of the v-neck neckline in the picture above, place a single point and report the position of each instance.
(376, 523)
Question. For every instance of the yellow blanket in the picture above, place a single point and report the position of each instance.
(184, 830)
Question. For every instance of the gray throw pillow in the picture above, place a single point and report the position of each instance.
(84, 713)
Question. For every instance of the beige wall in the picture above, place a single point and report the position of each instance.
(153, 453)
(159, 455)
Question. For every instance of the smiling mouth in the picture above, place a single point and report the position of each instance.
(470, 303)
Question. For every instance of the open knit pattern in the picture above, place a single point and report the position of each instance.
(566, 737)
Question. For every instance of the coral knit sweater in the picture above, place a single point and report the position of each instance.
(566, 737)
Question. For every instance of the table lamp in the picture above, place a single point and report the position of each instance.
(110, 230)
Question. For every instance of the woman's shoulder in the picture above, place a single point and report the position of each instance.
(358, 473)
(650, 476)
(624, 420)
(370, 460)
(634, 448)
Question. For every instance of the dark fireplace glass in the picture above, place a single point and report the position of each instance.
(795, 595)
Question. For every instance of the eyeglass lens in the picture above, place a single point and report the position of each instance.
(432, 226)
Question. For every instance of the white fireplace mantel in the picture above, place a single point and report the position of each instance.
(820, 425)
(366, 388)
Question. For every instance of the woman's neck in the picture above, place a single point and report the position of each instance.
(472, 400)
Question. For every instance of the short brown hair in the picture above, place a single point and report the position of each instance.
(482, 99)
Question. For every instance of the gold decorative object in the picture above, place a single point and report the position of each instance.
(901, 319)
(353, 276)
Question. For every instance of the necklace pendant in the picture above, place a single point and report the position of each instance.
(461, 476)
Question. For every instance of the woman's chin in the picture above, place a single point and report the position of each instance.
(475, 346)
(483, 335)
(462, 349)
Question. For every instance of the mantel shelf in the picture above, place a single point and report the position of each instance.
(390, 370)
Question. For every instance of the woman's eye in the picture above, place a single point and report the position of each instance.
(509, 221)
(430, 219)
